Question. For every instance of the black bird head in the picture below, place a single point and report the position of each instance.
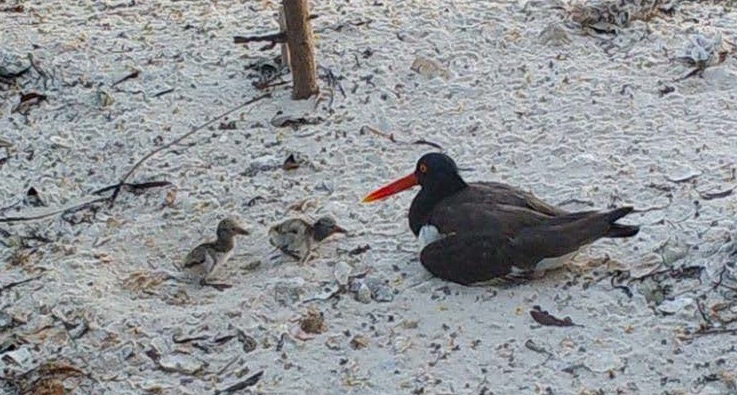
(324, 227)
(435, 172)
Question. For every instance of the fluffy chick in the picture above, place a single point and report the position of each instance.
(205, 257)
(295, 236)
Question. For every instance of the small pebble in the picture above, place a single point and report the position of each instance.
(126, 351)
(334, 342)
(6, 320)
(180, 363)
(380, 290)
(363, 294)
(342, 272)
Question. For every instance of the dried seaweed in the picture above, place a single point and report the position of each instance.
(544, 318)
(46, 378)
(290, 163)
(249, 382)
(313, 322)
(248, 342)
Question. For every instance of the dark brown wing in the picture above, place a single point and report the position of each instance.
(495, 192)
(486, 242)
(506, 194)
(473, 218)
(197, 256)
(468, 258)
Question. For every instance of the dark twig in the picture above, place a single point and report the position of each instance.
(164, 92)
(16, 283)
(253, 201)
(11, 76)
(390, 137)
(542, 317)
(704, 315)
(8, 208)
(261, 85)
(38, 69)
(677, 273)
(696, 71)
(717, 195)
(134, 186)
(274, 38)
(332, 80)
(132, 75)
(720, 281)
(178, 140)
(180, 340)
(714, 331)
(342, 26)
(55, 212)
(430, 143)
(249, 382)
(27, 100)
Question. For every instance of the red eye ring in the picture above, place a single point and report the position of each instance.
(423, 168)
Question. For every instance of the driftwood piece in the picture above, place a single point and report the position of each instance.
(301, 49)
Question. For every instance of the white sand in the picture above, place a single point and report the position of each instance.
(583, 120)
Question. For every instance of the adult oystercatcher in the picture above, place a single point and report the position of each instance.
(473, 233)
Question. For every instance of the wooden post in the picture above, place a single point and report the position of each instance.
(301, 49)
(283, 29)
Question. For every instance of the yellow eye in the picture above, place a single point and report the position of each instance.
(423, 168)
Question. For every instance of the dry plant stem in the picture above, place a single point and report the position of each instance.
(87, 204)
(140, 186)
(117, 187)
(301, 49)
(178, 140)
(55, 212)
(16, 283)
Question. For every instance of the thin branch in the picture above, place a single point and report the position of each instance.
(132, 75)
(713, 331)
(133, 186)
(178, 140)
(390, 137)
(274, 38)
(74, 208)
(717, 195)
(16, 283)
(136, 186)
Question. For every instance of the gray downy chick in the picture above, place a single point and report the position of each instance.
(201, 261)
(295, 236)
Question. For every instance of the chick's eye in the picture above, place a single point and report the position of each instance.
(423, 168)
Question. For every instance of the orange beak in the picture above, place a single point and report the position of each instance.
(390, 189)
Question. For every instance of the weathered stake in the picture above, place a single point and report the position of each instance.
(301, 49)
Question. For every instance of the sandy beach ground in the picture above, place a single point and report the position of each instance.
(579, 117)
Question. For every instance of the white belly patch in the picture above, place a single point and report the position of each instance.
(428, 234)
(553, 263)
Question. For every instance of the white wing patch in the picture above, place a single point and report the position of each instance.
(429, 234)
